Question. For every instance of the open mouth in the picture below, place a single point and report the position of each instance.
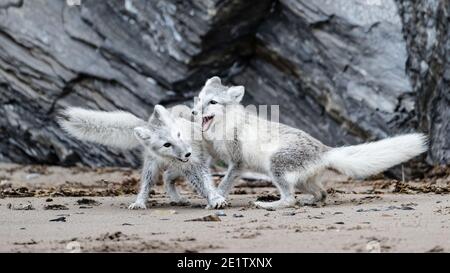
(183, 160)
(206, 122)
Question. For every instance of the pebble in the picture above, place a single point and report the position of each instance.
(288, 213)
(59, 219)
(221, 213)
(32, 176)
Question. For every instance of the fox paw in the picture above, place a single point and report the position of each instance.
(137, 205)
(218, 202)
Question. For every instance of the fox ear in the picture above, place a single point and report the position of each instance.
(214, 80)
(142, 133)
(161, 116)
(236, 93)
(160, 112)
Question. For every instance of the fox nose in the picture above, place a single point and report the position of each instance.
(187, 155)
(194, 112)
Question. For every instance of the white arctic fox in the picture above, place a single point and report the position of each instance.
(169, 145)
(290, 156)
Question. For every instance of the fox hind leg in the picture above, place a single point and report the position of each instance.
(313, 186)
(287, 199)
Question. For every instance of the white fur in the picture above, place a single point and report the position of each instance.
(248, 142)
(258, 144)
(108, 128)
(371, 158)
(124, 130)
(259, 138)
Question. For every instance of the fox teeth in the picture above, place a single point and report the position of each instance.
(206, 119)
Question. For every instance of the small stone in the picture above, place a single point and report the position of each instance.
(436, 249)
(221, 213)
(59, 219)
(288, 213)
(21, 207)
(55, 207)
(208, 218)
(86, 201)
(4, 184)
(164, 212)
(32, 176)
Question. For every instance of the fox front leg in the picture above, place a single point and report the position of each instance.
(201, 179)
(148, 179)
(233, 173)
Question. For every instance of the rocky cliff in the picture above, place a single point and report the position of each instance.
(345, 71)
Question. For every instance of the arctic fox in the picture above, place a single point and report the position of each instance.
(169, 145)
(290, 156)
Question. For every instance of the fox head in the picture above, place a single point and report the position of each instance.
(214, 99)
(162, 137)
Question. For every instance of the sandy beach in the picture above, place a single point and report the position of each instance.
(55, 209)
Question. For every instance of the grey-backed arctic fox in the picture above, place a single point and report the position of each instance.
(290, 156)
(169, 145)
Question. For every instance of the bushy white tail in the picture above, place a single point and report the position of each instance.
(108, 128)
(372, 158)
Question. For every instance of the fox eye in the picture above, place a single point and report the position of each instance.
(167, 145)
(213, 102)
(179, 134)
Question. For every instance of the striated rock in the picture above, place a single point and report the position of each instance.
(352, 71)
(107, 55)
(426, 27)
(345, 71)
(336, 67)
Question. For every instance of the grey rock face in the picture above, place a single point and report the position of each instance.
(426, 29)
(344, 71)
(107, 55)
(340, 66)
